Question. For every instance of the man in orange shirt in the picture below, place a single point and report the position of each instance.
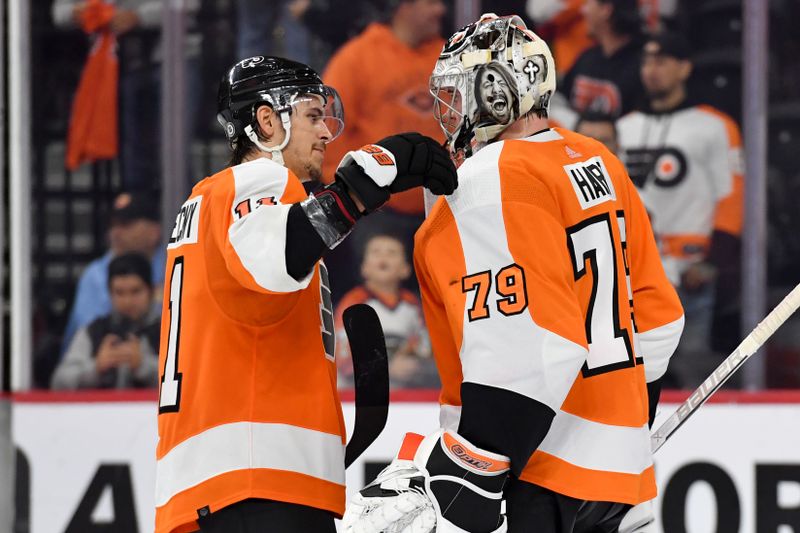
(550, 316)
(250, 426)
(686, 160)
(382, 77)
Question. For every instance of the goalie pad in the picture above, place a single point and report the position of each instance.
(437, 483)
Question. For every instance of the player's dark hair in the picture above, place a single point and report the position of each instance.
(132, 263)
(538, 113)
(243, 146)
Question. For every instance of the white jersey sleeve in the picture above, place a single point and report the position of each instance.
(256, 236)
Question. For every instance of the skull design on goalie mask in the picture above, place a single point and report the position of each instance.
(488, 75)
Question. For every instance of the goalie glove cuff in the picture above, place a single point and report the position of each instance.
(465, 483)
(439, 483)
(446, 454)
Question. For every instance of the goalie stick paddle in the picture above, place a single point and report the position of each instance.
(371, 375)
(727, 368)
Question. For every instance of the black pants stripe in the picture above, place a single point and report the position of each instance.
(267, 516)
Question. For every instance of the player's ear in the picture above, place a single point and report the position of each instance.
(267, 121)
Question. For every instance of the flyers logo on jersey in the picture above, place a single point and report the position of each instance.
(591, 182)
(186, 224)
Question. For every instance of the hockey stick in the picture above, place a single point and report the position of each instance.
(727, 368)
(371, 374)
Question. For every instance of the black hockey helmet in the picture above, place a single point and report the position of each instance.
(276, 82)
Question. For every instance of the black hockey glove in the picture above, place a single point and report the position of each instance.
(420, 161)
(394, 164)
(363, 186)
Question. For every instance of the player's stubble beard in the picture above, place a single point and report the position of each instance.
(314, 172)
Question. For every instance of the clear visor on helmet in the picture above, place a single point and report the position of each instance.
(448, 102)
(322, 106)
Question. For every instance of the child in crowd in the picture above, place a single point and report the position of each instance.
(384, 268)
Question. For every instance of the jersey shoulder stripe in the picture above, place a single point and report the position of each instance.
(731, 128)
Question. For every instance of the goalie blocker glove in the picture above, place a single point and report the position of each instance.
(394, 164)
(437, 483)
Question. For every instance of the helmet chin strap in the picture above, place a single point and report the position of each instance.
(274, 151)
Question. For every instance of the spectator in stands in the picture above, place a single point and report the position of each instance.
(600, 127)
(686, 160)
(137, 27)
(382, 77)
(257, 22)
(384, 268)
(118, 350)
(605, 78)
(298, 29)
(134, 227)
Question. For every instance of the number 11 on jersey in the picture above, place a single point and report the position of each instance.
(169, 399)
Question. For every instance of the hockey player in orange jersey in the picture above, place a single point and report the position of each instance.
(250, 426)
(550, 316)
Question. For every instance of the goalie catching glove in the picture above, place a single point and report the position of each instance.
(437, 483)
(394, 164)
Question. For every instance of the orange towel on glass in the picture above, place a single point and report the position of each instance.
(93, 129)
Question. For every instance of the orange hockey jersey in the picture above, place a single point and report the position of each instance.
(248, 406)
(540, 275)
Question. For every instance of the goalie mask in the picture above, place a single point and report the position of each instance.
(488, 75)
(280, 84)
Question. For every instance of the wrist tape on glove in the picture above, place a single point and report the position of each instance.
(332, 213)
